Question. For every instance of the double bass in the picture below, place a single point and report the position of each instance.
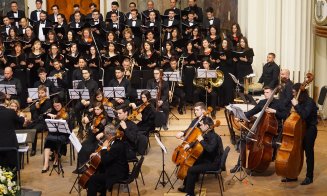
(259, 150)
(289, 159)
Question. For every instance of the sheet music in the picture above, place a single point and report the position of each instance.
(21, 137)
(153, 93)
(74, 140)
(238, 112)
(160, 144)
(203, 73)
(33, 93)
(114, 92)
(54, 80)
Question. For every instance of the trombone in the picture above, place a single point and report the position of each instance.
(179, 83)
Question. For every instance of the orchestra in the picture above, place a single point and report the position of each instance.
(136, 50)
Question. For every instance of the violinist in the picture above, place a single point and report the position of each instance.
(100, 98)
(38, 109)
(55, 142)
(62, 79)
(210, 158)
(114, 163)
(96, 122)
(161, 104)
(147, 111)
(130, 130)
(307, 109)
(275, 107)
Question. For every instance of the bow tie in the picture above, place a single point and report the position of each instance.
(42, 22)
(15, 12)
(171, 19)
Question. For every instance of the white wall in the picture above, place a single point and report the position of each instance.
(280, 26)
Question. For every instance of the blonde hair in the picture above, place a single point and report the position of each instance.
(14, 101)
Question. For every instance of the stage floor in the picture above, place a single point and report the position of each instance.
(267, 183)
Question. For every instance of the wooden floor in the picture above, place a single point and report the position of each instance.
(267, 183)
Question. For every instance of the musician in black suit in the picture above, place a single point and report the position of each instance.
(98, 27)
(38, 26)
(61, 23)
(307, 109)
(6, 26)
(146, 13)
(115, 9)
(210, 158)
(93, 7)
(15, 13)
(114, 162)
(8, 120)
(10, 80)
(35, 15)
(169, 23)
(76, 9)
(116, 25)
(286, 94)
(172, 6)
(276, 107)
(134, 21)
(270, 73)
(198, 14)
(55, 12)
(210, 20)
(161, 104)
(44, 81)
(189, 23)
(120, 81)
(130, 130)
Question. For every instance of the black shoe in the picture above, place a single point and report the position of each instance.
(182, 189)
(165, 127)
(189, 194)
(180, 111)
(45, 170)
(233, 170)
(289, 180)
(307, 181)
(33, 152)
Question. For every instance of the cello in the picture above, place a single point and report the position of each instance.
(259, 148)
(289, 159)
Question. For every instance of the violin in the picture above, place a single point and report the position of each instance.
(41, 101)
(96, 122)
(106, 102)
(62, 114)
(138, 110)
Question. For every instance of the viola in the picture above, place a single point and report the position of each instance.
(138, 110)
(96, 121)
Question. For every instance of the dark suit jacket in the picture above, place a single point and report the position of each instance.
(51, 17)
(71, 18)
(37, 25)
(21, 14)
(33, 17)
(216, 23)
(138, 23)
(8, 120)
(115, 163)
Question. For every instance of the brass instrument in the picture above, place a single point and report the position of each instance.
(179, 83)
(214, 82)
(59, 75)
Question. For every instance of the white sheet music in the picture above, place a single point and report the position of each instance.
(160, 144)
(21, 137)
(74, 140)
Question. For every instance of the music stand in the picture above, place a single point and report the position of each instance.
(33, 93)
(77, 145)
(153, 93)
(58, 127)
(163, 173)
(54, 80)
(114, 92)
(110, 111)
(8, 89)
(238, 113)
(238, 84)
(172, 77)
(79, 94)
(75, 83)
(206, 74)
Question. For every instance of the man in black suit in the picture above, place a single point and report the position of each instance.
(270, 72)
(172, 6)
(115, 9)
(134, 21)
(35, 15)
(8, 120)
(146, 13)
(98, 27)
(38, 27)
(6, 26)
(76, 9)
(286, 94)
(10, 80)
(77, 21)
(115, 25)
(93, 7)
(15, 13)
(55, 12)
(169, 23)
(61, 24)
(114, 162)
(210, 20)
(132, 5)
(192, 6)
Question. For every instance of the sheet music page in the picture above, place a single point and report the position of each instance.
(238, 112)
(160, 144)
(75, 142)
(21, 137)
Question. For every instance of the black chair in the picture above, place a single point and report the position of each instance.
(134, 162)
(132, 177)
(321, 102)
(222, 167)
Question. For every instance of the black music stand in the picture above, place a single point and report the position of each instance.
(79, 94)
(206, 74)
(114, 92)
(172, 77)
(238, 84)
(54, 80)
(8, 89)
(33, 93)
(238, 112)
(58, 127)
(163, 173)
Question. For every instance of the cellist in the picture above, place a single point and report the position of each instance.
(210, 157)
(307, 109)
(276, 107)
(114, 163)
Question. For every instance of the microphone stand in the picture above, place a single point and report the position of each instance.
(96, 47)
